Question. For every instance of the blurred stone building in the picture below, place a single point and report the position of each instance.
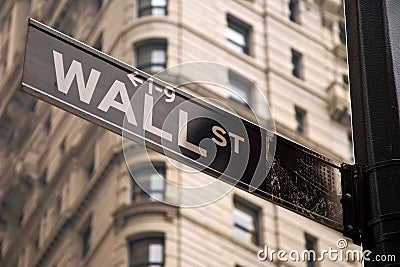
(67, 198)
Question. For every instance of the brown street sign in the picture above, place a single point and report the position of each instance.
(112, 94)
(305, 182)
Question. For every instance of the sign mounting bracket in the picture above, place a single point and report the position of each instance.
(352, 204)
(353, 181)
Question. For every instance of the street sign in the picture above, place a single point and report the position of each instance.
(107, 92)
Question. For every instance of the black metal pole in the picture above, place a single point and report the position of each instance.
(373, 32)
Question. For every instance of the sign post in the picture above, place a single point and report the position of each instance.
(373, 38)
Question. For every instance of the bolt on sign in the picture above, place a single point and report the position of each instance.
(112, 94)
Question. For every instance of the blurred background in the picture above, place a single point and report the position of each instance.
(66, 196)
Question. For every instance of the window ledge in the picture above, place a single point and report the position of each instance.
(143, 208)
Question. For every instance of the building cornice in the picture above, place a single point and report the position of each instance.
(143, 208)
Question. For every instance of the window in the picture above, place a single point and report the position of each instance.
(99, 43)
(43, 178)
(90, 169)
(151, 55)
(297, 63)
(238, 35)
(47, 124)
(351, 146)
(311, 245)
(33, 105)
(240, 88)
(151, 181)
(99, 4)
(300, 119)
(152, 8)
(345, 79)
(85, 236)
(246, 222)
(58, 206)
(21, 218)
(342, 32)
(147, 252)
(63, 145)
(36, 241)
(294, 11)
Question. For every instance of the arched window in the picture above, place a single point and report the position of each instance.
(153, 182)
(151, 55)
(146, 251)
(152, 8)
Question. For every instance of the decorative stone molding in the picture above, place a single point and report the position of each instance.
(338, 104)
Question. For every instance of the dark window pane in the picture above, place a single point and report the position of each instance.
(152, 8)
(91, 166)
(20, 218)
(297, 62)
(238, 35)
(33, 104)
(351, 146)
(342, 33)
(63, 145)
(151, 55)
(311, 246)
(153, 183)
(99, 43)
(47, 124)
(85, 235)
(99, 4)
(294, 11)
(300, 119)
(43, 178)
(246, 222)
(345, 79)
(146, 252)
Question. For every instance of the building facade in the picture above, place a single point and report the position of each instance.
(67, 198)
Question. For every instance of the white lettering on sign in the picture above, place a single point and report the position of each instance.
(148, 119)
(218, 132)
(182, 135)
(75, 70)
(118, 88)
(135, 79)
(236, 143)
